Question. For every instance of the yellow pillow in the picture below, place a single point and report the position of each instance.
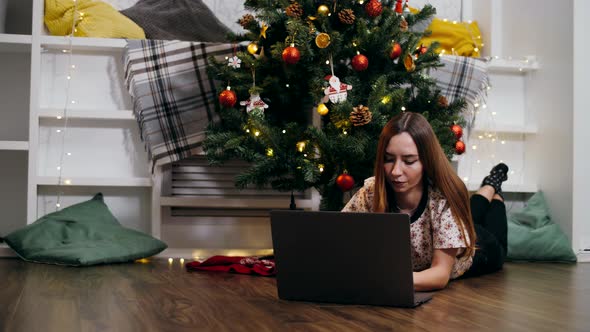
(459, 38)
(97, 19)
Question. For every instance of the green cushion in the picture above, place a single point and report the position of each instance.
(83, 234)
(533, 236)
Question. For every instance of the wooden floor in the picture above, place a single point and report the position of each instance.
(157, 296)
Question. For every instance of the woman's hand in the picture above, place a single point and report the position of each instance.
(438, 274)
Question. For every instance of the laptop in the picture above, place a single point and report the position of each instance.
(348, 258)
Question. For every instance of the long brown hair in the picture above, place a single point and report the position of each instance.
(437, 169)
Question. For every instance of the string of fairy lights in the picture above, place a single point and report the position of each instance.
(78, 16)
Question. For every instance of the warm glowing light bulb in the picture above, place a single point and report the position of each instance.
(256, 133)
(300, 146)
(182, 261)
(170, 260)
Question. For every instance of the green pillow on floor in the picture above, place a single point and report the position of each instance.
(83, 234)
(533, 236)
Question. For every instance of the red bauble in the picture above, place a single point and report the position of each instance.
(228, 98)
(421, 50)
(457, 130)
(360, 62)
(459, 147)
(291, 55)
(373, 8)
(345, 182)
(396, 51)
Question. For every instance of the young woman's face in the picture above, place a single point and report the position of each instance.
(403, 168)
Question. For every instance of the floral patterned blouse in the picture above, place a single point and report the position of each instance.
(432, 227)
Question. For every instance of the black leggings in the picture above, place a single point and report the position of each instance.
(491, 228)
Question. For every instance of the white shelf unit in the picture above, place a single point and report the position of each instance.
(15, 63)
(503, 128)
(102, 150)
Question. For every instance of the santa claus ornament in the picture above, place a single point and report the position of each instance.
(336, 91)
(254, 105)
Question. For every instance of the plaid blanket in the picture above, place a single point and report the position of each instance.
(463, 78)
(173, 97)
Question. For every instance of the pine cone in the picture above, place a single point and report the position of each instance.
(246, 20)
(346, 16)
(294, 10)
(360, 115)
(442, 101)
(403, 25)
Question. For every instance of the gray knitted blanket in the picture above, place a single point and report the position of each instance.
(189, 20)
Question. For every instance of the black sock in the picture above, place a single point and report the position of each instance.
(498, 174)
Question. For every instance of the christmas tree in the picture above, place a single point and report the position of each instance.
(355, 63)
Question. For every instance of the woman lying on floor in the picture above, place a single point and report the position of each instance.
(452, 235)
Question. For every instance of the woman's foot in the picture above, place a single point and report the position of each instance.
(498, 174)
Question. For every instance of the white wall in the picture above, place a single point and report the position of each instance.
(544, 28)
(581, 120)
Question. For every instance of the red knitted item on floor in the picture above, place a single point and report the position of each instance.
(236, 264)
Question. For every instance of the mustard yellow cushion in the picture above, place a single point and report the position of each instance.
(460, 38)
(96, 19)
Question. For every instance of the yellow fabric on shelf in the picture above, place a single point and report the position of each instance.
(96, 19)
(460, 38)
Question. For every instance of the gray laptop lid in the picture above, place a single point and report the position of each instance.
(356, 258)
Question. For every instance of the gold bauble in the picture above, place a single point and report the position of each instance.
(323, 109)
(252, 48)
(323, 10)
(322, 40)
